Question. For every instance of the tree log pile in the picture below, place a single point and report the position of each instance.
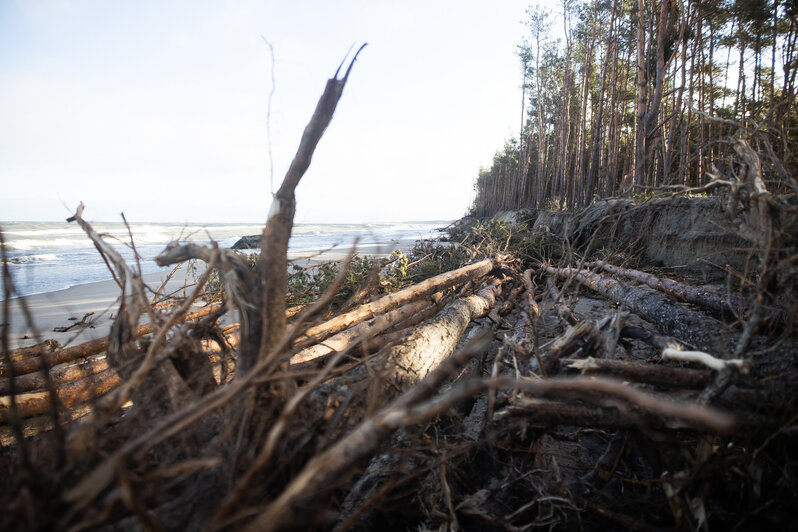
(509, 393)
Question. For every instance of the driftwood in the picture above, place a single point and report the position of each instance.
(81, 323)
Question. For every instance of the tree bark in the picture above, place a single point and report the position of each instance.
(683, 292)
(702, 331)
(92, 347)
(362, 331)
(59, 374)
(70, 394)
(425, 288)
(656, 374)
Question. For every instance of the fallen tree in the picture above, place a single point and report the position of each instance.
(721, 303)
(69, 394)
(30, 362)
(673, 319)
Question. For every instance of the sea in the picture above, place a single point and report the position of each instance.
(48, 256)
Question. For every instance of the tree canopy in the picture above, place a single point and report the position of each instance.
(642, 95)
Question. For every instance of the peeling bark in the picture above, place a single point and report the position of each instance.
(701, 330)
(681, 291)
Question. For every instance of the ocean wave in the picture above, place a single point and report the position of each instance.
(34, 259)
(33, 243)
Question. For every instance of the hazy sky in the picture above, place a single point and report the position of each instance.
(158, 108)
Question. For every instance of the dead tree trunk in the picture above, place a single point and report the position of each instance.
(673, 319)
(472, 272)
(30, 363)
(433, 342)
(59, 374)
(69, 394)
(401, 366)
(683, 292)
(360, 332)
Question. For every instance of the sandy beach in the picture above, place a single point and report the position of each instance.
(63, 308)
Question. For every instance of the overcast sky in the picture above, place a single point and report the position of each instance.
(158, 108)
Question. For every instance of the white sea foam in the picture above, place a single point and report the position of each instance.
(30, 259)
(29, 244)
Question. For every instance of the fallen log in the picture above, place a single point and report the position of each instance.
(22, 353)
(705, 332)
(70, 374)
(75, 370)
(529, 304)
(384, 468)
(404, 364)
(70, 394)
(92, 347)
(326, 469)
(391, 301)
(93, 374)
(683, 292)
(60, 375)
(644, 373)
(311, 340)
(27, 358)
(407, 315)
(433, 342)
(397, 369)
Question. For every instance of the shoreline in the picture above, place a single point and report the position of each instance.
(58, 308)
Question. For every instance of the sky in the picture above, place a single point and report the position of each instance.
(158, 109)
